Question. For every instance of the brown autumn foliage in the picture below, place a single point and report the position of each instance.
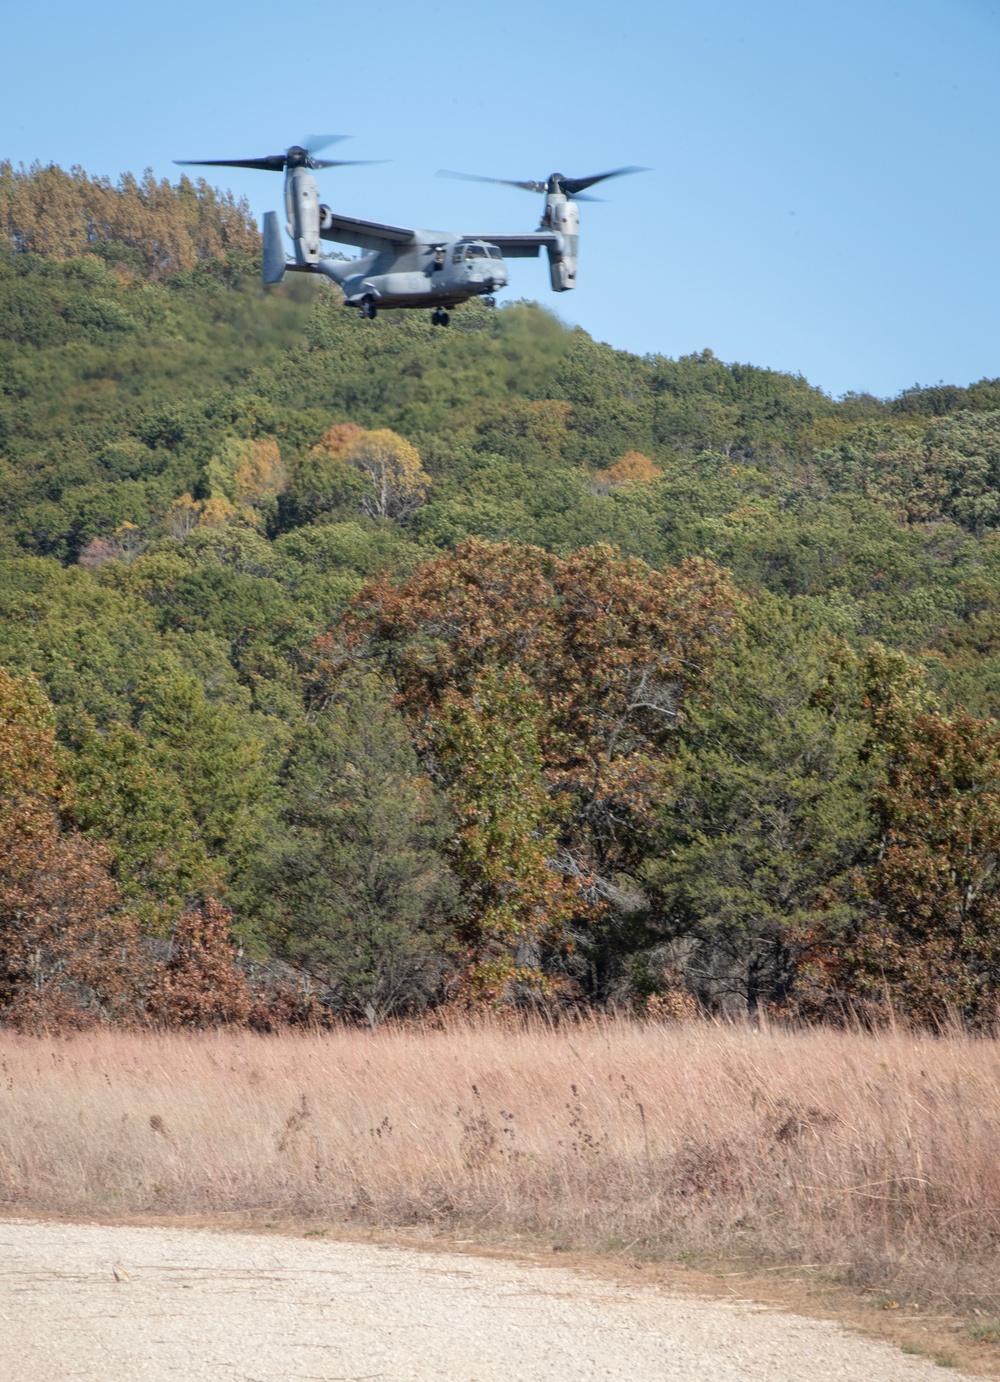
(201, 985)
(245, 474)
(123, 544)
(60, 215)
(928, 942)
(574, 672)
(611, 646)
(69, 953)
(97, 553)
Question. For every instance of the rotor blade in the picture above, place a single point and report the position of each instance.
(314, 142)
(344, 162)
(275, 163)
(574, 185)
(583, 197)
(502, 182)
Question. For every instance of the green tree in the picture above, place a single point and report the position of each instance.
(925, 936)
(488, 745)
(129, 795)
(354, 884)
(609, 650)
(768, 814)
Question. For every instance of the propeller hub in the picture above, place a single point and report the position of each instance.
(298, 156)
(557, 184)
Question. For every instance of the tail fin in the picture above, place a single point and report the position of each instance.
(273, 268)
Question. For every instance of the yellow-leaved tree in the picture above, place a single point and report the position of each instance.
(248, 473)
(396, 481)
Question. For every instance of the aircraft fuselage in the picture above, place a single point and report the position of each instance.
(435, 270)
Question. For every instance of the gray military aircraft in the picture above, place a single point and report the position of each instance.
(403, 267)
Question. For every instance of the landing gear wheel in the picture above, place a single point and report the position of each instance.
(438, 318)
(367, 310)
(443, 319)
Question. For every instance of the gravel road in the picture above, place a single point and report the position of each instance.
(199, 1304)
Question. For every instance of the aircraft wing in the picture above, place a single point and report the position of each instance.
(367, 235)
(521, 246)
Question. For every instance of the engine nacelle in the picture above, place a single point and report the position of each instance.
(302, 208)
(273, 265)
(562, 216)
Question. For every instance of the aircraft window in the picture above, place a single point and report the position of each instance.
(494, 252)
(477, 252)
(457, 256)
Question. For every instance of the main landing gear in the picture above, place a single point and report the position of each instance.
(367, 310)
(439, 317)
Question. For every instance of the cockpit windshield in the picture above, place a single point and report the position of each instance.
(494, 253)
(476, 252)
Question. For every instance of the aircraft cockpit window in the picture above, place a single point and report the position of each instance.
(456, 258)
(477, 251)
(494, 252)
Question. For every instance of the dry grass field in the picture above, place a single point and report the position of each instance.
(873, 1157)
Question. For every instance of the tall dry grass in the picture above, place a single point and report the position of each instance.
(877, 1155)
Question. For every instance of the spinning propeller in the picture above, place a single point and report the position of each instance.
(298, 156)
(555, 183)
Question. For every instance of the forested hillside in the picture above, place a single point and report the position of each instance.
(472, 666)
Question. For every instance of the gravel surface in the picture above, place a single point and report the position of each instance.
(201, 1304)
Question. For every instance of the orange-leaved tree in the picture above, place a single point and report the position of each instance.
(336, 439)
(599, 653)
(631, 469)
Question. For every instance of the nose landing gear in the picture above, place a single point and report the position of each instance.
(367, 310)
(439, 317)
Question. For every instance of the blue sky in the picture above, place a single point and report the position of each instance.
(824, 195)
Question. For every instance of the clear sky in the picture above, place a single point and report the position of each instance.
(824, 194)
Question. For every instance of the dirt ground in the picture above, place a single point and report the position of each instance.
(98, 1301)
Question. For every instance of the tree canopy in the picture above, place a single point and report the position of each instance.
(488, 664)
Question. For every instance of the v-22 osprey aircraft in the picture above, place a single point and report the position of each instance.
(402, 267)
